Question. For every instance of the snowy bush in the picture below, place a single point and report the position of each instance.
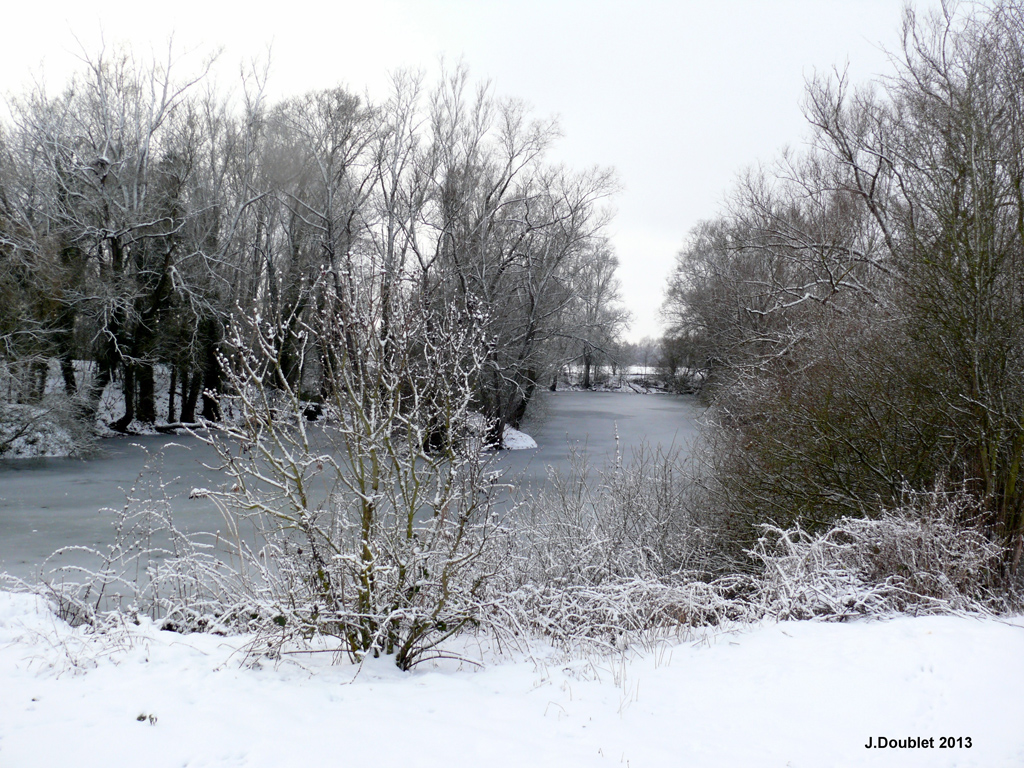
(609, 554)
(632, 517)
(926, 556)
(622, 555)
(622, 610)
(374, 525)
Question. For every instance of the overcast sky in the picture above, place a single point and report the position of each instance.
(678, 97)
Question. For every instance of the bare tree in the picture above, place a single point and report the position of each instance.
(597, 315)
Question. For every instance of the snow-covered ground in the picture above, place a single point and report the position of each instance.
(791, 694)
(32, 432)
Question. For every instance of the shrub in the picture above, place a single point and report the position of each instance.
(926, 556)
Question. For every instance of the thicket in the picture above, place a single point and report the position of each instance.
(859, 308)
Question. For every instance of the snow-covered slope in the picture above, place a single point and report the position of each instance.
(792, 694)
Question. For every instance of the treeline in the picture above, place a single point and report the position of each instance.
(141, 211)
(859, 306)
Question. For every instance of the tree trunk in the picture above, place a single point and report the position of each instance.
(94, 393)
(146, 406)
(67, 372)
(128, 387)
(191, 386)
(588, 361)
(171, 393)
(211, 373)
(39, 374)
(520, 409)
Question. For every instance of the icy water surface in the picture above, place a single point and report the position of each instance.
(567, 422)
(46, 504)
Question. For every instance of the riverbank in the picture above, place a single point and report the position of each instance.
(46, 430)
(793, 693)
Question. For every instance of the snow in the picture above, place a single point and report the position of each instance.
(619, 388)
(789, 694)
(31, 432)
(514, 440)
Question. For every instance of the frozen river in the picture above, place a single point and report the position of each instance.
(46, 504)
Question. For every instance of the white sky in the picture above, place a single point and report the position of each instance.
(678, 97)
